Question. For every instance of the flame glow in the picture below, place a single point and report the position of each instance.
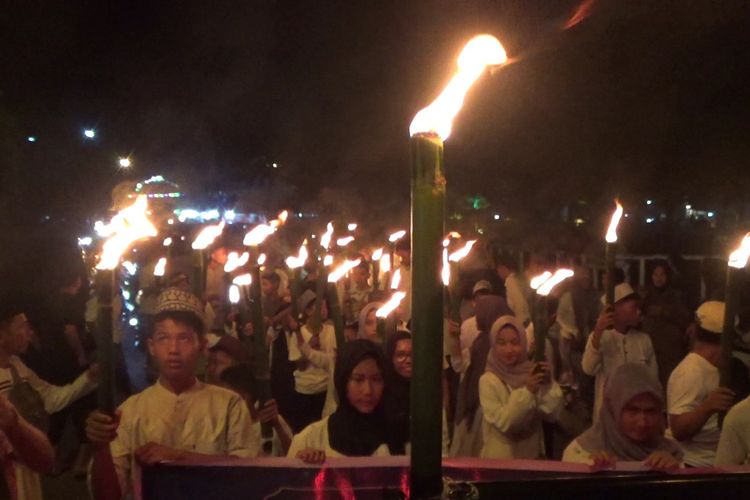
(234, 294)
(293, 262)
(325, 239)
(167, 242)
(207, 236)
(342, 242)
(261, 259)
(258, 234)
(386, 309)
(344, 268)
(557, 278)
(612, 230)
(385, 263)
(351, 226)
(445, 273)
(393, 238)
(377, 254)
(160, 267)
(455, 235)
(738, 259)
(396, 280)
(127, 226)
(463, 252)
(243, 279)
(328, 260)
(233, 262)
(437, 118)
(539, 280)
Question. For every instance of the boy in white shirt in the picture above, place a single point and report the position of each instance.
(177, 418)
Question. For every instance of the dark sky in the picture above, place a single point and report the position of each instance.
(643, 98)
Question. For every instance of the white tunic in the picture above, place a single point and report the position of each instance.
(689, 385)
(204, 419)
(734, 444)
(315, 436)
(512, 426)
(615, 349)
(313, 379)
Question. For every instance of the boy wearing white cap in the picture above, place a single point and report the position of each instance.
(694, 398)
(616, 341)
(175, 419)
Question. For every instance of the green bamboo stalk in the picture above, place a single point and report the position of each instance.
(334, 305)
(539, 317)
(729, 333)
(427, 230)
(105, 288)
(610, 255)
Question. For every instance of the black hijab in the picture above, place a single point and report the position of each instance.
(397, 399)
(488, 309)
(350, 432)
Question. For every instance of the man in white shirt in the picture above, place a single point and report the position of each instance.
(516, 290)
(616, 341)
(694, 398)
(459, 347)
(177, 418)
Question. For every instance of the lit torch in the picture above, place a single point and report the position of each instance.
(204, 239)
(333, 298)
(430, 127)
(126, 227)
(386, 320)
(296, 264)
(376, 256)
(454, 282)
(610, 253)
(543, 285)
(321, 285)
(735, 266)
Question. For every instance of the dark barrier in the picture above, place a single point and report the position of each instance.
(389, 478)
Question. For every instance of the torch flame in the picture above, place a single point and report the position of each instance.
(293, 262)
(463, 252)
(738, 259)
(616, 216)
(167, 242)
(539, 280)
(233, 262)
(128, 225)
(396, 280)
(207, 236)
(397, 236)
(455, 235)
(325, 239)
(344, 268)
(234, 294)
(446, 242)
(342, 242)
(243, 279)
(258, 234)
(351, 226)
(160, 267)
(445, 273)
(385, 263)
(377, 254)
(557, 278)
(437, 118)
(328, 260)
(386, 309)
(261, 259)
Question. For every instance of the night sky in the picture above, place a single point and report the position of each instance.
(642, 98)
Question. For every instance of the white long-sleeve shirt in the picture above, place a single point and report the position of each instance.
(512, 426)
(315, 436)
(615, 349)
(734, 443)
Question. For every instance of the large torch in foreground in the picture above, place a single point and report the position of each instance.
(127, 226)
(736, 264)
(543, 285)
(610, 253)
(430, 127)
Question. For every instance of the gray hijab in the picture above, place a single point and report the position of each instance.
(513, 375)
(363, 317)
(628, 381)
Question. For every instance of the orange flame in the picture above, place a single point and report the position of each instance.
(167, 241)
(463, 252)
(551, 281)
(437, 118)
(386, 309)
(234, 294)
(539, 280)
(127, 226)
(160, 267)
(351, 226)
(393, 238)
(325, 239)
(243, 279)
(377, 254)
(342, 242)
(580, 13)
(328, 260)
(396, 280)
(293, 262)
(261, 259)
(611, 236)
(207, 236)
(344, 268)
(385, 263)
(738, 259)
(258, 234)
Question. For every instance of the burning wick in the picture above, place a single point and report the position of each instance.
(386, 309)
(160, 267)
(341, 271)
(611, 236)
(393, 238)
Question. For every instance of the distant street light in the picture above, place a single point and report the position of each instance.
(125, 162)
(31, 138)
(90, 133)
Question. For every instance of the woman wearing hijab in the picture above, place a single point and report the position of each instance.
(358, 427)
(515, 395)
(467, 434)
(367, 325)
(630, 425)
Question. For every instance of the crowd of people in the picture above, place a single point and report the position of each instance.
(637, 380)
